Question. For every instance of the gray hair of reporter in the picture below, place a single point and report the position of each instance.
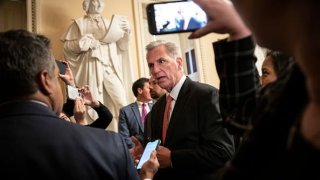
(171, 48)
(23, 56)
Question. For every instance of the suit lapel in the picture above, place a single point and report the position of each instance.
(178, 109)
(137, 115)
(157, 118)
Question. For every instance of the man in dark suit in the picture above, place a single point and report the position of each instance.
(132, 116)
(194, 143)
(156, 92)
(35, 142)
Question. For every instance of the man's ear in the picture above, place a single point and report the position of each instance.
(140, 91)
(179, 62)
(45, 82)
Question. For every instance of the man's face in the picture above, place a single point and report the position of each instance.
(268, 73)
(145, 92)
(96, 7)
(155, 90)
(166, 70)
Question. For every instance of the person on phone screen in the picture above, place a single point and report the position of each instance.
(100, 60)
(180, 20)
(195, 21)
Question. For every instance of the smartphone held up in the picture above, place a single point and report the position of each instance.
(73, 92)
(175, 17)
(152, 145)
(62, 66)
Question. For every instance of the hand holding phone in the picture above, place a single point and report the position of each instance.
(175, 17)
(152, 145)
(73, 92)
(62, 67)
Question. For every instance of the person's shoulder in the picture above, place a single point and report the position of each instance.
(129, 106)
(159, 102)
(97, 132)
(202, 86)
(98, 139)
(198, 90)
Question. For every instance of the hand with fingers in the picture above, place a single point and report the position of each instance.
(67, 77)
(222, 19)
(137, 150)
(88, 97)
(79, 111)
(150, 167)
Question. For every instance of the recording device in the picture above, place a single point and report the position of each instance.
(62, 66)
(152, 145)
(174, 17)
(73, 92)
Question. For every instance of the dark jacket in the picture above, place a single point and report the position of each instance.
(198, 142)
(37, 144)
(130, 123)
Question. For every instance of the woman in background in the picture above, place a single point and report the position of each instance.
(273, 65)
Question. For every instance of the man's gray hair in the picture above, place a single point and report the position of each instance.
(171, 48)
(24, 55)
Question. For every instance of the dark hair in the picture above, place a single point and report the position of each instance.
(45, 40)
(279, 60)
(138, 84)
(23, 56)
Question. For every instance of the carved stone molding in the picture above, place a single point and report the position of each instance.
(32, 15)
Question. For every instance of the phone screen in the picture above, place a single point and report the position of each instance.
(175, 17)
(62, 67)
(73, 92)
(152, 145)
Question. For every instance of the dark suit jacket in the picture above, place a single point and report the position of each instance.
(130, 123)
(36, 144)
(199, 144)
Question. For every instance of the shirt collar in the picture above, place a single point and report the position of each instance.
(31, 100)
(39, 102)
(175, 91)
(140, 103)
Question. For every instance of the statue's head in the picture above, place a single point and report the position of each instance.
(93, 6)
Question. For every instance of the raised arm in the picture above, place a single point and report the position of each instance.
(235, 62)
